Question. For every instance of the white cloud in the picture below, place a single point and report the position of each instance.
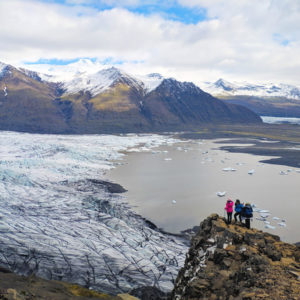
(239, 41)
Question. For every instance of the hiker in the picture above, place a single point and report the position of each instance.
(238, 206)
(247, 214)
(229, 210)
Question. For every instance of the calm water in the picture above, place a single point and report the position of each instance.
(194, 176)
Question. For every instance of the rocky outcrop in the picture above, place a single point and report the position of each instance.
(232, 262)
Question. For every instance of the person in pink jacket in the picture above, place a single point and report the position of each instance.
(229, 210)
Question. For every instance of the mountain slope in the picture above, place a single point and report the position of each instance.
(109, 101)
(174, 102)
(26, 103)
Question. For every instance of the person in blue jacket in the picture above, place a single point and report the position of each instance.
(238, 206)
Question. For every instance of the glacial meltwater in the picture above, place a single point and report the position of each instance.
(176, 187)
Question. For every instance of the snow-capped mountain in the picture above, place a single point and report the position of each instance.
(99, 82)
(224, 88)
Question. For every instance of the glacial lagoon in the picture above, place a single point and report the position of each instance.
(176, 186)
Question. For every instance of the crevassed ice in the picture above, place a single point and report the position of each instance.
(57, 223)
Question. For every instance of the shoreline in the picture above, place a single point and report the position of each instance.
(280, 142)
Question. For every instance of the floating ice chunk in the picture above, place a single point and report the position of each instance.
(155, 152)
(264, 215)
(282, 224)
(174, 201)
(204, 152)
(270, 226)
(229, 169)
(276, 218)
(251, 172)
(221, 194)
(253, 205)
(260, 219)
(264, 211)
(289, 170)
(282, 173)
(267, 222)
(168, 158)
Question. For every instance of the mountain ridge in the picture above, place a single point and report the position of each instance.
(108, 101)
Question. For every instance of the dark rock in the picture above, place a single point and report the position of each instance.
(4, 270)
(110, 186)
(219, 255)
(149, 293)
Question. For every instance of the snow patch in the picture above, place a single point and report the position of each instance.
(5, 91)
(151, 81)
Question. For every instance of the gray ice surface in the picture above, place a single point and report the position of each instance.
(58, 224)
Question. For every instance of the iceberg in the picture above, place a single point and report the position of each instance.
(221, 194)
(270, 226)
(282, 224)
(264, 215)
(229, 169)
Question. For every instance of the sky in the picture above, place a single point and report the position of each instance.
(191, 40)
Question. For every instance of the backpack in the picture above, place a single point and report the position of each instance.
(247, 211)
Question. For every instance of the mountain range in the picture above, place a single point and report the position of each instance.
(107, 101)
(281, 100)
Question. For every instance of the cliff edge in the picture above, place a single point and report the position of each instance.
(233, 262)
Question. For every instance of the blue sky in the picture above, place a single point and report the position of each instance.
(171, 10)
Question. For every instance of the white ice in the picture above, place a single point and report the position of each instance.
(69, 227)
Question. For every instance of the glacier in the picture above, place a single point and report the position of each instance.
(58, 223)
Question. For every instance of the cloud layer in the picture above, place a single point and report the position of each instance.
(237, 40)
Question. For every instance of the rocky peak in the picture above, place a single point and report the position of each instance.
(5, 69)
(174, 87)
(232, 262)
(155, 75)
(226, 86)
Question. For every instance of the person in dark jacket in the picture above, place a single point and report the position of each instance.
(238, 206)
(247, 214)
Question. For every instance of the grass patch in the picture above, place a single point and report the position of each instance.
(116, 99)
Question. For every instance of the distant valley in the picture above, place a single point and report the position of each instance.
(108, 101)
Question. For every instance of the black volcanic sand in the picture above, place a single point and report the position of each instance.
(280, 141)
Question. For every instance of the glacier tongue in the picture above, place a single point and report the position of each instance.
(58, 224)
